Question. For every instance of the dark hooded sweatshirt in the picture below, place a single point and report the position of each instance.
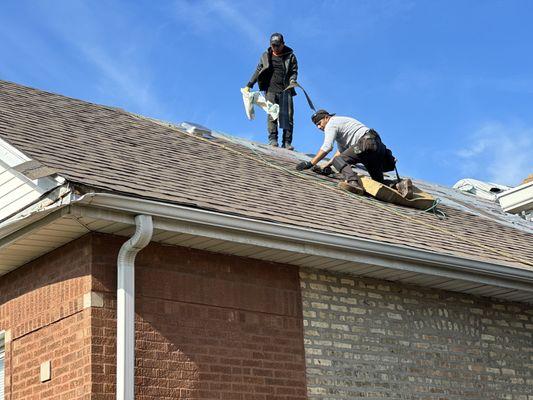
(275, 73)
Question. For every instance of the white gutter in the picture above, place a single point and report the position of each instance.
(517, 199)
(126, 306)
(291, 238)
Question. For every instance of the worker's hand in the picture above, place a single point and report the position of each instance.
(246, 89)
(304, 165)
(327, 170)
(292, 84)
(322, 171)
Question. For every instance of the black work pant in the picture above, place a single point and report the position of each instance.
(369, 151)
(286, 113)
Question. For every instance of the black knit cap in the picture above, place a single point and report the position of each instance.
(316, 117)
(276, 38)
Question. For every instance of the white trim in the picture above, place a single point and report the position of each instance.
(10, 155)
(19, 227)
(515, 189)
(308, 241)
(22, 177)
(517, 199)
(236, 229)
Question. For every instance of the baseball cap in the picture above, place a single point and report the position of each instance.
(276, 38)
(317, 116)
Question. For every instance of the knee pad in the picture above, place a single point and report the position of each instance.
(339, 163)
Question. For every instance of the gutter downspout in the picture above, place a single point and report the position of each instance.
(126, 306)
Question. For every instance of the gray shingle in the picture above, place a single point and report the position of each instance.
(113, 150)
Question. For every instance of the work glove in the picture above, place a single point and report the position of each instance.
(304, 165)
(246, 89)
(322, 171)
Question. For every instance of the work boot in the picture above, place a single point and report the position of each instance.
(405, 187)
(352, 187)
(288, 146)
(273, 143)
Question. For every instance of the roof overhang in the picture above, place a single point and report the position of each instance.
(28, 237)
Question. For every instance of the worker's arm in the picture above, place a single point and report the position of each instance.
(330, 162)
(329, 137)
(319, 156)
(309, 164)
(255, 75)
(293, 69)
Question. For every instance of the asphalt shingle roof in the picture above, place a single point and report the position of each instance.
(113, 150)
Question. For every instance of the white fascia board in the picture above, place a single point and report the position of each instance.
(307, 241)
(56, 199)
(517, 199)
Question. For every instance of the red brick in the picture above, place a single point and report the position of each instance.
(40, 303)
(208, 326)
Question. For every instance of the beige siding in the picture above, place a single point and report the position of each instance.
(15, 193)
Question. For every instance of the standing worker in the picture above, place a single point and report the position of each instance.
(277, 69)
(356, 143)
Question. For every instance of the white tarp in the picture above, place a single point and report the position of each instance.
(256, 98)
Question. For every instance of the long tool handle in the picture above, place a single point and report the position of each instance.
(397, 174)
(296, 84)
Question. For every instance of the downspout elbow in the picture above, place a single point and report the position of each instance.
(140, 239)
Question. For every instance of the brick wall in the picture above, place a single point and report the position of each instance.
(208, 326)
(375, 339)
(41, 308)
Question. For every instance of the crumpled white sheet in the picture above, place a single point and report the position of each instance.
(256, 98)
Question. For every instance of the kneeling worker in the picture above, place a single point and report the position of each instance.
(356, 143)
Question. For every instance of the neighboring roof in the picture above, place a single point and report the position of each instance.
(485, 190)
(108, 149)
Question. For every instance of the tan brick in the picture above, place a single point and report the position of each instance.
(443, 344)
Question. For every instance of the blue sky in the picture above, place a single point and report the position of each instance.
(448, 84)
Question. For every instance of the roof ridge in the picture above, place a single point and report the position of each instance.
(19, 85)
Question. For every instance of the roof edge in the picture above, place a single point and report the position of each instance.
(396, 255)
